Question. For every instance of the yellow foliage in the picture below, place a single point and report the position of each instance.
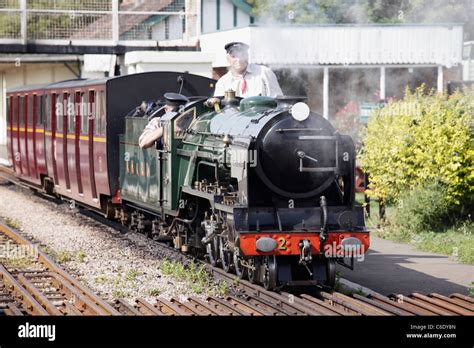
(423, 138)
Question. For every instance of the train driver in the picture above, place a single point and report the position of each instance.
(245, 79)
(153, 130)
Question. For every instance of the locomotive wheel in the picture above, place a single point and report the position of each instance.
(213, 251)
(226, 258)
(330, 273)
(240, 270)
(254, 274)
(270, 272)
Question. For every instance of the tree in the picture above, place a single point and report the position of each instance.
(367, 11)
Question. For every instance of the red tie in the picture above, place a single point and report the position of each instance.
(244, 85)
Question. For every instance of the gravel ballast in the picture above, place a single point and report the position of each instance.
(115, 265)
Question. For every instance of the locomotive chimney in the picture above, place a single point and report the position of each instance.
(229, 98)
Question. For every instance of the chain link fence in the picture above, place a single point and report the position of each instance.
(113, 20)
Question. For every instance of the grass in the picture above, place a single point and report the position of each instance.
(196, 278)
(456, 241)
(102, 279)
(67, 256)
(80, 256)
(64, 256)
(360, 292)
(17, 262)
(154, 292)
(223, 288)
(49, 251)
(13, 223)
(116, 294)
(132, 274)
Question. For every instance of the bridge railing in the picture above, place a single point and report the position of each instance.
(104, 22)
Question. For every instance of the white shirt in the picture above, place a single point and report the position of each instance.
(259, 79)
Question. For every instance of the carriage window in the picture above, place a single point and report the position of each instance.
(103, 112)
(60, 112)
(91, 106)
(99, 114)
(29, 105)
(71, 119)
(98, 102)
(15, 111)
(84, 114)
(39, 110)
(21, 111)
(47, 112)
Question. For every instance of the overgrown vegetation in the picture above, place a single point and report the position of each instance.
(17, 261)
(419, 140)
(420, 156)
(13, 223)
(196, 278)
(67, 256)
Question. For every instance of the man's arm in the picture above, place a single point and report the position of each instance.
(147, 140)
(152, 132)
(271, 81)
(220, 88)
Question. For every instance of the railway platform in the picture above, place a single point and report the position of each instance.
(395, 267)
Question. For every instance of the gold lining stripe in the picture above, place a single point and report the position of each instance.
(61, 135)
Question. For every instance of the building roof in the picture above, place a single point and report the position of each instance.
(393, 44)
(61, 84)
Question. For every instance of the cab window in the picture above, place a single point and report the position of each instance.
(183, 122)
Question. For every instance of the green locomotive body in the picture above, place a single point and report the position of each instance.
(239, 185)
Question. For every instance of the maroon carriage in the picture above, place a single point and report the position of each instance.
(63, 137)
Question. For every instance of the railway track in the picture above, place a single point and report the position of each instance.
(41, 287)
(31, 283)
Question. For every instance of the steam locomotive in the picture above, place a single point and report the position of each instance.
(261, 186)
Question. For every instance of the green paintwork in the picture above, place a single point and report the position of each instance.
(139, 168)
(260, 102)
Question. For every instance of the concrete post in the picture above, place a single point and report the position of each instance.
(326, 93)
(23, 22)
(198, 19)
(115, 22)
(382, 83)
(440, 79)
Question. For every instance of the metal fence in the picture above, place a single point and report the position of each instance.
(105, 20)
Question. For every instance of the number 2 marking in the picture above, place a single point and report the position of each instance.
(282, 245)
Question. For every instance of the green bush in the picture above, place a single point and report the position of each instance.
(424, 138)
(424, 209)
